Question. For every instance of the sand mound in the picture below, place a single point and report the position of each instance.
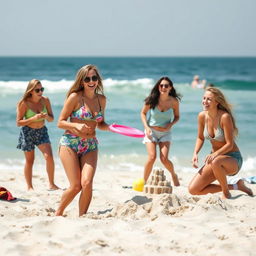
(165, 204)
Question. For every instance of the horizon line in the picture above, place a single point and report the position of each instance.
(125, 56)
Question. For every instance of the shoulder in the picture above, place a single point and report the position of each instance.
(45, 100)
(22, 105)
(225, 117)
(201, 116)
(102, 99)
(74, 96)
(174, 100)
(146, 106)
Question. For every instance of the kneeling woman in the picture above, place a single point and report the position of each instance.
(84, 107)
(217, 124)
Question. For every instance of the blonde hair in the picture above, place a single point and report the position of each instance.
(81, 74)
(31, 86)
(223, 105)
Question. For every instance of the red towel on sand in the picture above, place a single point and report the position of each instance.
(6, 195)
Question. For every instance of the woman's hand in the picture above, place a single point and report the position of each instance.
(210, 158)
(149, 133)
(166, 128)
(39, 116)
(195, 160)
(84, 129)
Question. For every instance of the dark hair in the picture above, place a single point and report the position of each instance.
(210, 85)
(153, 97)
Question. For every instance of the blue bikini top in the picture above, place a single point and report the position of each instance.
(219, 133)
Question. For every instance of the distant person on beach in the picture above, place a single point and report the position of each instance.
(197, 83)
(159, 113)
(216, 123)
(209, 85)
(32, 111)
(78, 150)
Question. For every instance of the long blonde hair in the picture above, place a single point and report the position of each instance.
(31, 86)
(223, 104)
(81, 74)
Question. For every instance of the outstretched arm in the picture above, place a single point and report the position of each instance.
(199, 139)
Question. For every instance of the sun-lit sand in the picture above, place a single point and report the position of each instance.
(121, 221)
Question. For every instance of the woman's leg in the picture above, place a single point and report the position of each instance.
(29, 158)
(71, 165)
(88, 166)
(217, 170)
(164, 151)
(151, 149)
(46, 149)
(201, 183)
(242, 187)
(222, 166)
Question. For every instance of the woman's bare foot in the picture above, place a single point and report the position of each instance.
(175, 180)
(53, 187)
(241, 186)
(226, 195)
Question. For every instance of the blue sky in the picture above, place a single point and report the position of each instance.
(128, 28)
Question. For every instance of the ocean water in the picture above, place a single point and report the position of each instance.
(127, 81)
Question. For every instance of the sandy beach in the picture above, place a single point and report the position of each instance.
(121, 221)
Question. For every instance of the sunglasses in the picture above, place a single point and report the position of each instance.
(87, 79)
(38, 90)
(164, 86)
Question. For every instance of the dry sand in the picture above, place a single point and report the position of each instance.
(124, 222)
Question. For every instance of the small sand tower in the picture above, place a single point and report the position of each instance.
(157, 183)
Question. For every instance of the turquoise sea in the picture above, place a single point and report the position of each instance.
(127, 81)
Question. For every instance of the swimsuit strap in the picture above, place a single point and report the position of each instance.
(82, 101)
(99, 102)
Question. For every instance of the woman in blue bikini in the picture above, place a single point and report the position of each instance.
(159, 113)
(84, 107)
(32, 112)
(217, 124)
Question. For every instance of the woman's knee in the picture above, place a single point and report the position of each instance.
(216, 164)
(76, 188)
(30, 161)
(48, 157)
(164, 159)
(193, 190)
(152, 158)
(86, 184)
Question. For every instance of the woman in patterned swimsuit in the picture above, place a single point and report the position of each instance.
(84, 107)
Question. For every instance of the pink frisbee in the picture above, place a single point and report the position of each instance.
(126, 130)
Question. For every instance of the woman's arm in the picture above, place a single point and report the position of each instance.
(49, 116)
(143, 116)
(103, 125)
(176, 113)
(199, 139)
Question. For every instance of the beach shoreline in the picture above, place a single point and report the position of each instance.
(121, 221)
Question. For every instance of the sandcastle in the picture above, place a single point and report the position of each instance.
(157, 183)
